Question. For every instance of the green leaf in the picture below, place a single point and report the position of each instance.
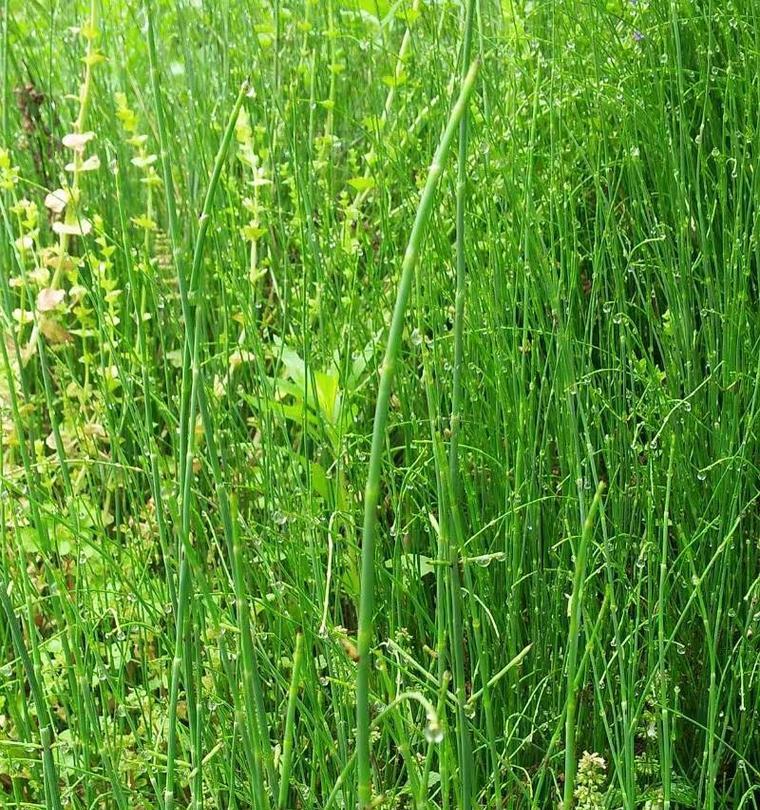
(328, 395)
(317, 477)
(397, 80)
(29, 540)
(362, 359)
(361, 183)
(295, 368)
(376, 8)
(416, 563)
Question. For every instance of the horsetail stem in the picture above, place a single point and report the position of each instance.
(287, 743)
(575, 608)
(372, 490)
(454, 517)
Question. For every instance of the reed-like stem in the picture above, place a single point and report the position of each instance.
(192, 383)
(372, 490)
(46, 737)
(455, 590)
(287, 741)
(665, 757)
(575, 609)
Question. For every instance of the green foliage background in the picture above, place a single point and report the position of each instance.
(611, 335)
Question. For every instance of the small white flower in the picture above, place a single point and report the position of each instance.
(240, 356)
(49, 298)
(56, 200)
(23, 316)
(90, 165)
(144, 162)
(81, 228)
(39, 276)
(77, 140)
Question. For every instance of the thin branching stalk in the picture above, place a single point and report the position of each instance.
(73, 208)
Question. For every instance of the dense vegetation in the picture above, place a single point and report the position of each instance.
(208, 210)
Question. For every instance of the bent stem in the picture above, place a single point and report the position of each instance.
(372, 490)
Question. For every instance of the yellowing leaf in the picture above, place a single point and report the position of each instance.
(252, 233)
(397, 80)
(94, 58)
(376, 8)
(89, 31)
(53, 331)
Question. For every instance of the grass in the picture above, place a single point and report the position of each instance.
(554, 600)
